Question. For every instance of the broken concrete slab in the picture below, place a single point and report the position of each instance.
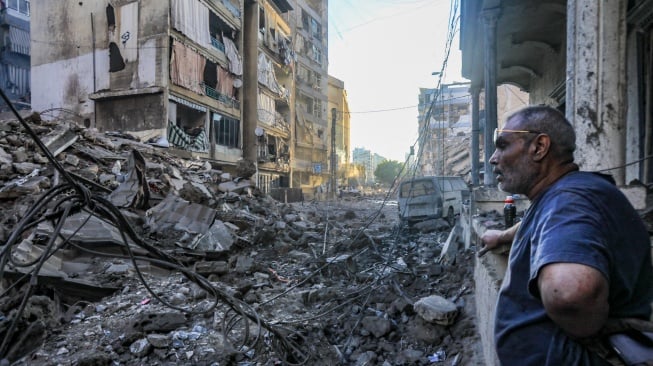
(235, 187)
(451, 246)
(436, 309)
(59, 139)
(217, 239)
(176, 213)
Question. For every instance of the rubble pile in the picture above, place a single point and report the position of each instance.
(158, 260)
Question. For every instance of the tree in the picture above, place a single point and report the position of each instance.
(387, 171)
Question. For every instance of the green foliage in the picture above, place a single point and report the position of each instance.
(386, 171)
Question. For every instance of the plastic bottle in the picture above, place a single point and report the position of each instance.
(509, 211)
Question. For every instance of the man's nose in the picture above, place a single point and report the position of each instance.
(493, 158)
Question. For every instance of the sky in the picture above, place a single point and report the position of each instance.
(384, 51)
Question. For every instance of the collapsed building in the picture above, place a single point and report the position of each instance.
(119, 252)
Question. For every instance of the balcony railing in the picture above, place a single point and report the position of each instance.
(217, 44)
(214, 94)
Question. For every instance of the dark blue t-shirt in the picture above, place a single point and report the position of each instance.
(582, 218)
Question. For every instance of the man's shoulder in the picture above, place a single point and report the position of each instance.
(586, 181)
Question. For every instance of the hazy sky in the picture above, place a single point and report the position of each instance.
(384, 51)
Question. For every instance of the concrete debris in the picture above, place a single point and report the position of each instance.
(175, 261)
(436, 309)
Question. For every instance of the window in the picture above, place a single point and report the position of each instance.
(317, 108)
(311, 25)
(19, 5)
(316, 55)
(261, 20)
(227, 130)
(316, 29)
(23, 6)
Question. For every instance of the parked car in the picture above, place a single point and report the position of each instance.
(432, 197)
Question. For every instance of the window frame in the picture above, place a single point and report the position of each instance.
(227, 130)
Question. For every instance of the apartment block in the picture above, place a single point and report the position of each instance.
(340, 130)
(222, 80)
(310, 163)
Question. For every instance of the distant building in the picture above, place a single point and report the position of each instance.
(338, 102)
(369, 161)
(310, 165)
(438, 111)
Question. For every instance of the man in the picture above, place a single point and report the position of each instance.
(580, 255)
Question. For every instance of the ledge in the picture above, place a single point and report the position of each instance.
(115, 94)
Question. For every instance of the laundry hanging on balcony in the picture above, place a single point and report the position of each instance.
(186, 141)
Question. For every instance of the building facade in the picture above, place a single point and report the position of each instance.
(269, 121)
(166, 71)
(339, 134)
(223, 80)
(310, 164)
(439, 109)
(369, 161)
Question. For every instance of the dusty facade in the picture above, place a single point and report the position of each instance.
(219, 80)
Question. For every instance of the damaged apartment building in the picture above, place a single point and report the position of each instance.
(219, 80)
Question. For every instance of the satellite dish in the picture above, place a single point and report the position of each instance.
(258, 131)
(238, 83)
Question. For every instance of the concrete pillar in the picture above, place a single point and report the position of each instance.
(596, 82)
(475, 91)
(490, 17)
(250, 80)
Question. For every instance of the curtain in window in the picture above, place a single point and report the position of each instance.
(266, 111)
(225, 82)
(191, 18)
(187, 68)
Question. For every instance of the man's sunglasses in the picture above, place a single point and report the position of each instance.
(498, 131)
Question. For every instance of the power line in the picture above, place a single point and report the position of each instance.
(400, 108)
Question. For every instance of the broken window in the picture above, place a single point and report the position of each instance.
(261, 21)
(111, 18)
(116, 63)
(227, 130)
(316, 53)
(307, 102)
(219, 29)
(311, 25)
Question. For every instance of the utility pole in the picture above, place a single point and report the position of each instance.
(334, 114)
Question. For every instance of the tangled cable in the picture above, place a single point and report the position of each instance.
(71, 197)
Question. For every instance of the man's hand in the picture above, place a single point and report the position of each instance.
(492, 239)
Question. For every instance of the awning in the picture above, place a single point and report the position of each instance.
(187, 103)
(19, 40)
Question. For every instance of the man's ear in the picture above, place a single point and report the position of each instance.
(540, 147)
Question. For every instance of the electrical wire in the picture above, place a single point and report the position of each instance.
(58, 204)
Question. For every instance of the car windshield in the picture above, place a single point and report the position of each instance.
(417, 188)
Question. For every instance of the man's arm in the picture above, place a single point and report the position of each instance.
(575, 297)
(492, 239)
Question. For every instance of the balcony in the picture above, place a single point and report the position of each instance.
(224, 99)
(217, 44)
